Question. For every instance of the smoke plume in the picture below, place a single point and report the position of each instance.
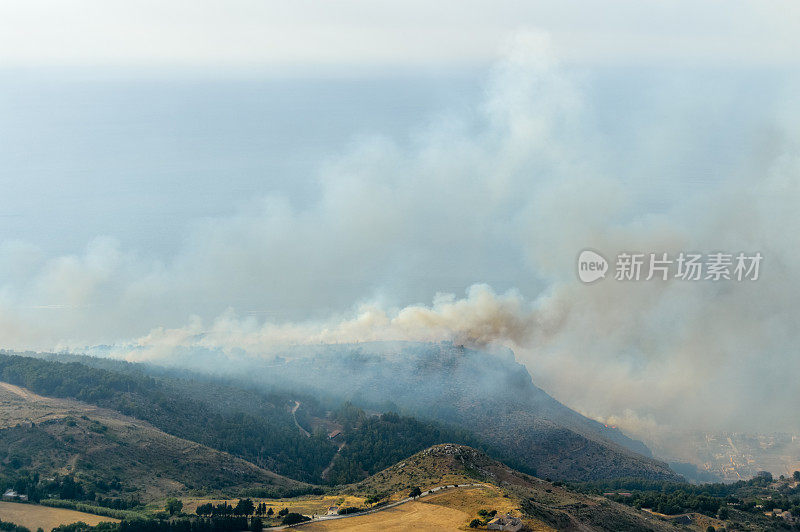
(497, 200)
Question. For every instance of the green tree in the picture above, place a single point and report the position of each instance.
(174, 506)
(244, 507)
(205, 509)
(256, 525)
(796, 476)
(416, 492)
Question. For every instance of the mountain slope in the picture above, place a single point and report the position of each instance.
(489, 397)
(268, 429)
(489, 394)
(262, 431)
(112, 454)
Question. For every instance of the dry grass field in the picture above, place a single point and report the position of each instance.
(470, 500)
(19, 405)
(449, 510)
(410, 516)
(33, 516)
(473, 499)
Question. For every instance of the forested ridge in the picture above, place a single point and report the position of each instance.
(268, 439)
(254, 425)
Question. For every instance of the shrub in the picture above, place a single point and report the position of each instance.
(294, 518)
(5, 525)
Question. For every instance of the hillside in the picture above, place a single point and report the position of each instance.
(130, 432)
(112, 455)
(256, 426)
(271, 430)
(372, 443)
(542, 504)
(487, 393)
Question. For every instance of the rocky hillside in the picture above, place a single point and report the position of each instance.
(543, 504)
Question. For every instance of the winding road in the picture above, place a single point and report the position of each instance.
(294, 416)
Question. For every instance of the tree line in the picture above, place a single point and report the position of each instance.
(712, 499)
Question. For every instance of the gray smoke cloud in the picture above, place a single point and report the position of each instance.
(499, 198)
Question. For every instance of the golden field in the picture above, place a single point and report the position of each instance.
(33, 516)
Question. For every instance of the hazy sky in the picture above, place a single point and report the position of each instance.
(239, 174)
(348, 33)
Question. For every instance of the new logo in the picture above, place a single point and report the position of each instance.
(591, 266)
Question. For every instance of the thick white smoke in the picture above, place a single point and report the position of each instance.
(506, 194)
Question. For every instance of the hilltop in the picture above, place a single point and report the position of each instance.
(542, 504)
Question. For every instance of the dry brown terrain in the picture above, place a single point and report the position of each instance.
(547, 506)
(448, 510)
(33, 516)
(63, 436)
(410, 516)
(19, 405)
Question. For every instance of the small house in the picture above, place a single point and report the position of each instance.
(506, 522)
(11, 495)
